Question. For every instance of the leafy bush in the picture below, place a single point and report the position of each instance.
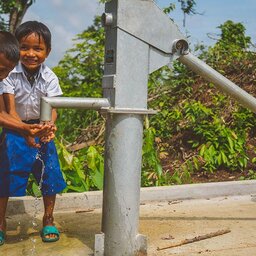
(197, 128)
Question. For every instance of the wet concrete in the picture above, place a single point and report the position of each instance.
(165, 223)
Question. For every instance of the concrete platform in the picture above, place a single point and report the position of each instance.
(165, 221)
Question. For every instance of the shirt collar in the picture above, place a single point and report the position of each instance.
(42, 70)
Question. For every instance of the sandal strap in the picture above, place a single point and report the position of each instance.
(47, 230)
(2, 237)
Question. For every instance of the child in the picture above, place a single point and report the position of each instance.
(9, 57)
(26, 84)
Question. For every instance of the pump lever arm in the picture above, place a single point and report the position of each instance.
(224, 84)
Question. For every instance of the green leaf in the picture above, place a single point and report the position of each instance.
(224, 157)
(97, 178)
(92, 158)
(36, 190)
(67, 157)
(202, 150)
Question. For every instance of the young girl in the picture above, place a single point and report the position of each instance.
(23, 88)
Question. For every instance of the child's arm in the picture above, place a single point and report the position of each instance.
(9, 122)
(29, 131)
(9, 101)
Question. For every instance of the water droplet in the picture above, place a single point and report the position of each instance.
(34, 224)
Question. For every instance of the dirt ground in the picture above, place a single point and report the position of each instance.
(205, 177)
(218, 176)
(166, 225)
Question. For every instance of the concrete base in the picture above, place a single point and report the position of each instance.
(99, 245)
(93, 199)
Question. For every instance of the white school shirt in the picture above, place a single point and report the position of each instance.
(27, 98)
(1, 88)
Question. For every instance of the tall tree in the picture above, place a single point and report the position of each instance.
(14, 10)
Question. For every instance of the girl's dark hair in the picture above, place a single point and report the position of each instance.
(29, 27)
(9, 46)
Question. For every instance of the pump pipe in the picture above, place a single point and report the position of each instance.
(211, 75)
(47, 103)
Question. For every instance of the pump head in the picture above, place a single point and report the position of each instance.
(180, 46)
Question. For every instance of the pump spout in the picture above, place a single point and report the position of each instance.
(211, 75)
(48, 103)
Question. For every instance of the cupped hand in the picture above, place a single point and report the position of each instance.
(50, 135)
(31, 142)
(37, 130)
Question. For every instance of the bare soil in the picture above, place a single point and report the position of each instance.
(218, 176)
(205, 177)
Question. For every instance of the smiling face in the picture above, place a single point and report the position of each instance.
(33, 52)
(6, 66)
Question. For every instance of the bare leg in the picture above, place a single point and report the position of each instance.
(3, 206)
(49, 202)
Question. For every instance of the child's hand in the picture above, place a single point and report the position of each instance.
(37, 130)
(47, 138)
(53, 126)
(31, 142)
(50, 135)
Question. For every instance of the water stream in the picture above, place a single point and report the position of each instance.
(33, 251)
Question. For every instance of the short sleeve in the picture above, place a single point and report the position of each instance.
(8, 85)
(53, 86)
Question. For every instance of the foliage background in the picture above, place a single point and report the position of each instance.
(197, 132)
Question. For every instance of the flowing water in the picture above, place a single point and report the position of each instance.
(33, 251)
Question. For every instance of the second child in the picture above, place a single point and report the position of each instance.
(30, 80)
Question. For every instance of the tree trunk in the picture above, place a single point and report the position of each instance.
(17, 13)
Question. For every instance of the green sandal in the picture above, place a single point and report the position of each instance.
(2, 237)
(48, 230)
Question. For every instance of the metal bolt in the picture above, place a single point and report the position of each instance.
(107, 19)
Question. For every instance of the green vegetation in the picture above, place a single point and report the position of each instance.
(197, 129)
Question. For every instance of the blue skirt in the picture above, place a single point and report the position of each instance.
(18, 160)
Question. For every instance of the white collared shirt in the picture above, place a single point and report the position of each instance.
(1, 88)
(27, 98)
